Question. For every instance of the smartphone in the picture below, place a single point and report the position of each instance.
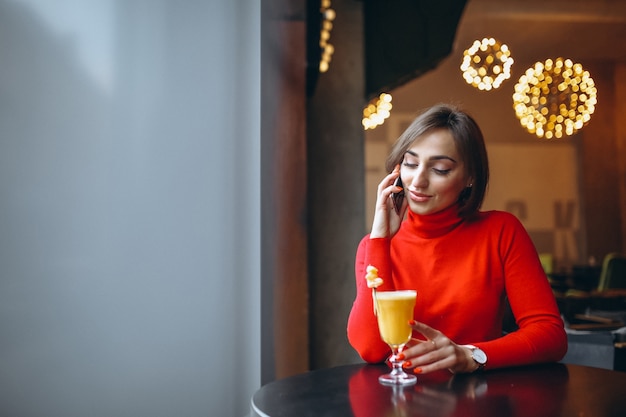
(398, 198)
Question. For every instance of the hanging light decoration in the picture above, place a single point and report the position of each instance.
(554, 98)
(328, 16)
(377, 111)
(486, 64)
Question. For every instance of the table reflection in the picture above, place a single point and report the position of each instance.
(549, 390)
(515, 392)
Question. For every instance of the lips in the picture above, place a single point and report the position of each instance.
(419, 197)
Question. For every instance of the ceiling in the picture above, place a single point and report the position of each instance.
(402, 45)
(538, 29)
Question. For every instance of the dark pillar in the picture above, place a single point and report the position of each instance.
(336, 187)
(284, 292)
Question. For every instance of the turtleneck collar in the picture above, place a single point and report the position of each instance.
(434, 225)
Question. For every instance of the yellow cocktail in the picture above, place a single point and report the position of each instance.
(394, 310)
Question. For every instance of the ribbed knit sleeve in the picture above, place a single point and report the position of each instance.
(362, 326)
(541, 336)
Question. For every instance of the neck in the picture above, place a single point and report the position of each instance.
(435, 224)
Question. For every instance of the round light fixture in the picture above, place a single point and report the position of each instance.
(486, 64)
(554, 98)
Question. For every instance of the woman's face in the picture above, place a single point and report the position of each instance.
(433, 173)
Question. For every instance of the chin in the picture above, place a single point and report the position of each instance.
(423, 211)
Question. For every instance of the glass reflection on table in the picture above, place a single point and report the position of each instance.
(510, 393)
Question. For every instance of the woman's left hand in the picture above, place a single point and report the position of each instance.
(435, 353)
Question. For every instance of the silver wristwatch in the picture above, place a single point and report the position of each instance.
(479, 356)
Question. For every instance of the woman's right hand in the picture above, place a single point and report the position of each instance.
(386, 220)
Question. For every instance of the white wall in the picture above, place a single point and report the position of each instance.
(129, 207)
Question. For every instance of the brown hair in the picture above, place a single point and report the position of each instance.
(469, 142)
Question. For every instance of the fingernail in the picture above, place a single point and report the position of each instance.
(406, 364)
(412, 322)
(400, 356)
(417, 370)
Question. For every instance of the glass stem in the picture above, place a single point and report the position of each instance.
(397, 376)
(397, 364)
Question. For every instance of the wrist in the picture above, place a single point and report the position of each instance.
(472, 366)
(477, 358)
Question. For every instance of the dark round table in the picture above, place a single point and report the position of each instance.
(550, 390)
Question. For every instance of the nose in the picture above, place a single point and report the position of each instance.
(420, 178)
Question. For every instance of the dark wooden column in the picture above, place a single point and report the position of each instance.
(336, 187)
(284, 279)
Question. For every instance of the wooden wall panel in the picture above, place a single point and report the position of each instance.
(620, 136)
(599, 164)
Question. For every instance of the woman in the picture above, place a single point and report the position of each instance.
(464, 263)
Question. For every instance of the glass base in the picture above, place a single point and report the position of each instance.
(397, 378)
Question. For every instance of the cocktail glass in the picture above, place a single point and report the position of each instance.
(394, 310)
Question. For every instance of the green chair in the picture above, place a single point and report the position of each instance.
(613, 273)
(547, 262)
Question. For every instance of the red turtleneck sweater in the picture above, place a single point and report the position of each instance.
(462, 271)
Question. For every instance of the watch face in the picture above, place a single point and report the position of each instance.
(479, 356)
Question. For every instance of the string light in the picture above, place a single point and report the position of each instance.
(328, 16)
(486, 64)
(554, 98)
(377, 111)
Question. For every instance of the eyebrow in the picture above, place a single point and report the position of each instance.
(434, 157)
